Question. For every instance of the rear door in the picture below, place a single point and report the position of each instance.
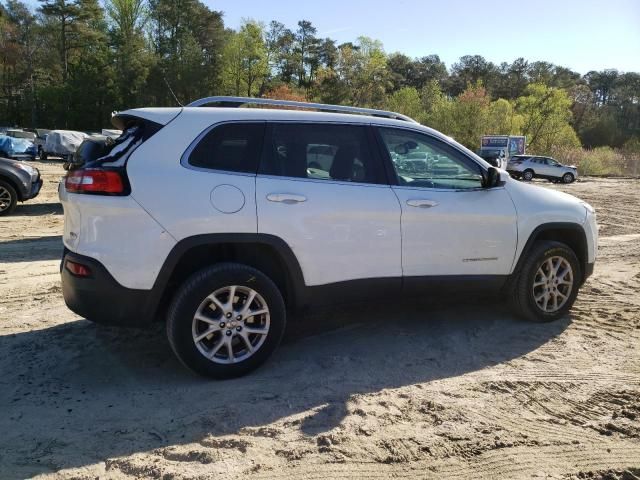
(321, 188)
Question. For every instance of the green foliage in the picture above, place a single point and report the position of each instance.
(245, 61)
(69, 63)
(600, 161)
(406, 101)
(546, 115)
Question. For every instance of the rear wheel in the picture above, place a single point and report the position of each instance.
(8, 198)
(527, 175)
(568, 178)
(547, 285)
(226, 320)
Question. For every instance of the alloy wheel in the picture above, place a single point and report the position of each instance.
(231, 324)
(5, 199)
(553, 284)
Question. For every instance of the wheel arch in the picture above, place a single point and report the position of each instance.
(571, 234)
(267, 253)
(16, 186)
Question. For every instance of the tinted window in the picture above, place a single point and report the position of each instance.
(91, 150)
(423, 161)
(322, 152)
(234, 147)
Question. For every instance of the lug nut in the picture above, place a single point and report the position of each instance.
(239, 317)
(238, 328)
(221, 324)
(228, 315)
(228, 333)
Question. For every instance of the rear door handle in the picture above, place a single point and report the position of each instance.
(421, 203)
(288, 198)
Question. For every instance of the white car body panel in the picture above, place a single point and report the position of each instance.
(470, 232)
(118, 233)
(342, 231)
(183, 205)
(537, 205)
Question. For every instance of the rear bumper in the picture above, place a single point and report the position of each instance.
(100, 298)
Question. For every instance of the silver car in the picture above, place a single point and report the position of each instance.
(529, 167)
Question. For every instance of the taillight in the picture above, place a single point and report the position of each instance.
(77, 269)
(104, 182)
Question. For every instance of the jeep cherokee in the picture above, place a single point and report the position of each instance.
(221, 220)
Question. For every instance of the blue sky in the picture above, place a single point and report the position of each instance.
(583, 35)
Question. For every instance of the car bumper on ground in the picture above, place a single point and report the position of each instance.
(100, 298)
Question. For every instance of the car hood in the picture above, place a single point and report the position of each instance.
(12, 164)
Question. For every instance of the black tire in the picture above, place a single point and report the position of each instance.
(43, 156)
(6, 189)
(521, 294)
(568, 178)
(192, 293)
(527, 175)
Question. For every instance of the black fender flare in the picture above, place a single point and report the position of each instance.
(545, 227)
(283, 249)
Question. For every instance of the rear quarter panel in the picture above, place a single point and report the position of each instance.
(180, 198)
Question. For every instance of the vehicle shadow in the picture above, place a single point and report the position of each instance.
(78, 393)
(34, 209)
(31, 249)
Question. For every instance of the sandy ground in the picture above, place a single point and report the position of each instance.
(449, 392)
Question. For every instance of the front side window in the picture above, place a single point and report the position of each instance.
(320, 152)
(422, 161)
(233, 147)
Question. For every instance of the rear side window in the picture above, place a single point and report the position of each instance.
(321, 152)
(233, 147)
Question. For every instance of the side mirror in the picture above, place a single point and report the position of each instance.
(492, 179)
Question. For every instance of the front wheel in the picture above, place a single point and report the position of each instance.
(568, 178)
(226, 320)
(527, 176)
(548, 282)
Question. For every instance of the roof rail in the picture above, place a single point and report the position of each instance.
(239, 101)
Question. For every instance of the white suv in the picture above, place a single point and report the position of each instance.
(222, 220)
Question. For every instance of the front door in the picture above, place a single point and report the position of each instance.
(450, 224)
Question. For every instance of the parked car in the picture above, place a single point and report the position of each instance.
(61, 143)
(41, 138)
(529, 167)
(18, 133)
(17, 148)
(90, 149)
(214, 220)
(19, 182)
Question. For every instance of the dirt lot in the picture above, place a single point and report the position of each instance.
(453, 392)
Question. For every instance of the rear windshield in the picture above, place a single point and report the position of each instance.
(134, 135)
(90, 151)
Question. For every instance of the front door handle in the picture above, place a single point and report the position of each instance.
(421, 203)
(288, 198)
